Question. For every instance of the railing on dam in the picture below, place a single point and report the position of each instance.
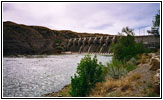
(102, 44)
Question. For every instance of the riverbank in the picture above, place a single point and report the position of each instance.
(144, 81)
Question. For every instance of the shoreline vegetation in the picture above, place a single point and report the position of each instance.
(137, 83)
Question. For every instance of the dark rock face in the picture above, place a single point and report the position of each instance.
(22, 39)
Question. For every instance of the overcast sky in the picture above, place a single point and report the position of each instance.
(107, 18)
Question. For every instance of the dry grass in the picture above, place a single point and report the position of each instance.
(134, 77)
(131, 85)
(110, 85)
(101, 88)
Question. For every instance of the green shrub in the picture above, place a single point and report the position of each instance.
(126, 48)
(88, 73)
(115, 69)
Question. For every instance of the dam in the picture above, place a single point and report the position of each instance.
(91, 44)
(102, 44)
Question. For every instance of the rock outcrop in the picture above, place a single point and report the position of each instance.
(155, 66)
(156, 79)
(21, 39)
(155, 63)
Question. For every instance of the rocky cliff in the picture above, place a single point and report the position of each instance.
(23, 39)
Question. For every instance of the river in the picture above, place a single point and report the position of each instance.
(35, 76)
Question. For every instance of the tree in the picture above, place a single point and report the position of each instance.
(128, 31)
(126, 47)
(156, 22)
(88, 73)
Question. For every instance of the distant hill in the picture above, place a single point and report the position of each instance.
(22, 39)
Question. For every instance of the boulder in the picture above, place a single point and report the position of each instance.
(156, 79)
(155, 63)
(151, 55)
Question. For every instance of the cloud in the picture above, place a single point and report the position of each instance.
(108, 18)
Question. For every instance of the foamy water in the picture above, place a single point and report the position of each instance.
(35, 76)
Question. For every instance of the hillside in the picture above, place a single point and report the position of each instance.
(22, 39)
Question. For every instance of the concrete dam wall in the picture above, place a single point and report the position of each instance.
(102, 44)
(149, 41)
(91, 44)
